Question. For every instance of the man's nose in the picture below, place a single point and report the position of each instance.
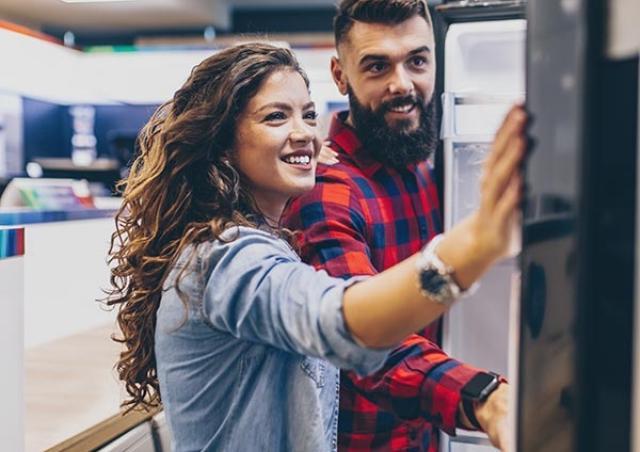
(400, 82)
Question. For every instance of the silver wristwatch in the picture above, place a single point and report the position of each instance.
(435, 278)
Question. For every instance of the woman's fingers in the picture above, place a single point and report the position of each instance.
(513, 124)
(508, 204)
(505, 169)
(327, 155)
(506, 157)
(510, 122)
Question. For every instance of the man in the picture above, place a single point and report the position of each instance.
(378, 206)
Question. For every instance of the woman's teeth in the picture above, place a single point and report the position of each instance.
(301, 159)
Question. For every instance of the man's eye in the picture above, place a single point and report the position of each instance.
(311, 115)
(377, 67)
(276, 116)
(419, 61)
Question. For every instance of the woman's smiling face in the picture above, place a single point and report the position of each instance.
(276, 146)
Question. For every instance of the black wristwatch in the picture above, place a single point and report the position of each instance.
(477, 390)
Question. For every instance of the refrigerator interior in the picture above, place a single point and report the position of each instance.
(484, 76)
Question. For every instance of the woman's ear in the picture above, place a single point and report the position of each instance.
(227, 158)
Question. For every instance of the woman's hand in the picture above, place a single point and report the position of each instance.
(327, 155)
(501, 187)
(475, 243)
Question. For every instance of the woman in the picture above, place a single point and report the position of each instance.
(218, 314)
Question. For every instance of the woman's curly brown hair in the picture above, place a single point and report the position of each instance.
(182, 189)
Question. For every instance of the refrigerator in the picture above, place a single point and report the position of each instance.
(556, 318)
(481, 74)
(575, 354)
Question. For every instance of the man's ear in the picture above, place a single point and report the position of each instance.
(339, 76)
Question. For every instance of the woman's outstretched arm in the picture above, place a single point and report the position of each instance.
(384, 309)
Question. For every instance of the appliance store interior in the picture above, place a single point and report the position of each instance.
(557, 318)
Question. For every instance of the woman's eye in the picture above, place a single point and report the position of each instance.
(311, 115)
(276, 116)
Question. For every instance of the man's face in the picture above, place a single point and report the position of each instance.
(389, 73)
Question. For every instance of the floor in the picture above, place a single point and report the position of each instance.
(70, 386)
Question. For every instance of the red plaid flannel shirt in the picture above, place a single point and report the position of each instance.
(360, 219)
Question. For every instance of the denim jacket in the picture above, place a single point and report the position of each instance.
(248, 347)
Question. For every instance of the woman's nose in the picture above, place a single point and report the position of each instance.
(301, 134)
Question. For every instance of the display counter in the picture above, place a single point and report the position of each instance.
(11, 338)
(65, 270)
(60, 380)
(25, 216)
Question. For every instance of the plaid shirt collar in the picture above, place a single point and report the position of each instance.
(345, 137)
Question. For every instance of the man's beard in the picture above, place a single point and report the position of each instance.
(396, 146)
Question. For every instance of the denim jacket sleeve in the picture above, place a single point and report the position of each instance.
(259, 290)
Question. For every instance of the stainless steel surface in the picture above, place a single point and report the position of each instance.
(479, 4)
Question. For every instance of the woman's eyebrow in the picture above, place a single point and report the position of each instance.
(279, 105)
(283, 106)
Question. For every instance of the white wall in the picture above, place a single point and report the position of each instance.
(153, 77)
(11, 134)
(35, 68)
(139, 77)
(40, 69)
(316, 63)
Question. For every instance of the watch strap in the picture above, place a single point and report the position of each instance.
(469, 409)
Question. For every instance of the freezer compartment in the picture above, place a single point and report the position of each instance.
(485, 57)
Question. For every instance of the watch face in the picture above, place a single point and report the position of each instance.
(480, 386)
(432, 282)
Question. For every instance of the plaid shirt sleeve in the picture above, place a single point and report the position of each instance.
(333, 229)
(418, 380)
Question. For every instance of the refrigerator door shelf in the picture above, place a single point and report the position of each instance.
(475, 116)
(464, 162)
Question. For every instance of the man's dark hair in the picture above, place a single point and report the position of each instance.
(389, 12)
